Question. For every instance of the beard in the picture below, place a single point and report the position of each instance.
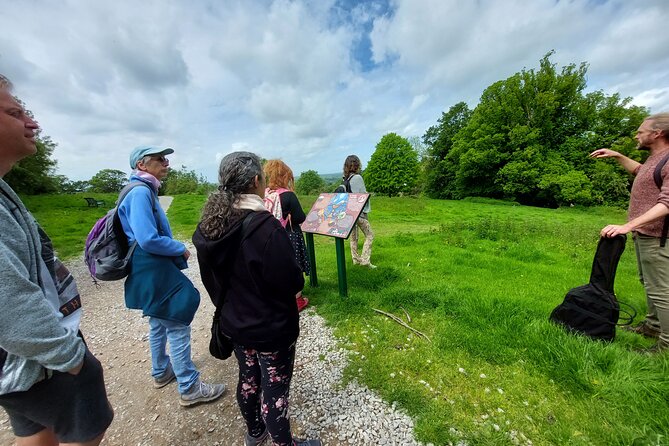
(642, 146)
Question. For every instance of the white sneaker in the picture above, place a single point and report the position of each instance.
(201, 392)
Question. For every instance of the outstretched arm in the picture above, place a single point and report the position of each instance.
(629, 164)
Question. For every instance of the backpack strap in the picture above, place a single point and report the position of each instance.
(347, 182)
(657, 177)
(130, 186)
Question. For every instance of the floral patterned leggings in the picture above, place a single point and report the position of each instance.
(262, 391)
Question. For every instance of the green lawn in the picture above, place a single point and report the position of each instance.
(479, 277)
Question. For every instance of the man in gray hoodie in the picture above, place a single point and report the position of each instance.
(51, 386)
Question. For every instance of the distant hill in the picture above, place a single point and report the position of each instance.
(330, 177)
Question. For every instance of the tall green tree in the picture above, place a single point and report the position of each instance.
(439, 173)
(309, 183)
(35, 174)
(393, 168)
(529, 137)
(108, 180)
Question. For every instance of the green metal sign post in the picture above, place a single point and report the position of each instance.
(311, 253)
(341, 267)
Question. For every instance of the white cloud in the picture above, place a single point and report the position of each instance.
(290, 79)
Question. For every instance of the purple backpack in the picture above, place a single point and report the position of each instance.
(107, 253)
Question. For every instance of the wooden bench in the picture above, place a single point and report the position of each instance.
(93, 203)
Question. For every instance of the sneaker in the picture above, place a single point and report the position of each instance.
(298, 442)
(201, 392)
(253, 441)
(644, 329)
(164, 380)
(302, 302)
(368, 265)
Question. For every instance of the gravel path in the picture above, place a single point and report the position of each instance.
(320, 405)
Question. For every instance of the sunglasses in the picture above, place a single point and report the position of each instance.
(160, 158)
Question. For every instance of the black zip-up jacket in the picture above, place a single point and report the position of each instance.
(256, 280)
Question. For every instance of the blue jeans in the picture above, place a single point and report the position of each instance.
(178, 335)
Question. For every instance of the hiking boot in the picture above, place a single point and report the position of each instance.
(644, 329)
(164, 380)
(201, 392)
(298, 442)
(255, 441)
(302, 303)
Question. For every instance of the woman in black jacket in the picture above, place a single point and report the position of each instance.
(281, 201)
(250, 271)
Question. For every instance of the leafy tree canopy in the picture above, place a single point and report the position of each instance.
(34, 174)
(108, 180)
(439, 138)
(183, 181)
(529, 137)
(393, 168)
(309, 183)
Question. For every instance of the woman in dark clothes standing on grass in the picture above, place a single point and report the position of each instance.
(248, 268)
(281, 201)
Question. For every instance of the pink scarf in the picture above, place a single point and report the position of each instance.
(155, 182)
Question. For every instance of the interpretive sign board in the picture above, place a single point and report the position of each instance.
(334, 214)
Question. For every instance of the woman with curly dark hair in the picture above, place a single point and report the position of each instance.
(249, 270)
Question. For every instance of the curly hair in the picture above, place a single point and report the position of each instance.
(351, 165)
(278, 174)
(236, 176)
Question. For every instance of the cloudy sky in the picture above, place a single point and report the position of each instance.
(307, 81)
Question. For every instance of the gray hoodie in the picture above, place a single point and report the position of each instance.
(32, 331)
(358, 187)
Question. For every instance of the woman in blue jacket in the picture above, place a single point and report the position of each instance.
(156, 284)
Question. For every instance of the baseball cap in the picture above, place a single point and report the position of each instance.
(140, 152)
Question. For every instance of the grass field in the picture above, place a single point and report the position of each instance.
(479, 278)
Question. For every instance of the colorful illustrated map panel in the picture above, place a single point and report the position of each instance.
(334, 214)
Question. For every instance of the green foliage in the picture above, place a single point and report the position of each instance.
(439, 173)
(66, 186)
(393, 168)
(34, 174)
(528, 140)
(309, 183)
(69, 187)
(108, 180)
(184, 181)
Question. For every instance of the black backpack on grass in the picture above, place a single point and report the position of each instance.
(593, 309)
